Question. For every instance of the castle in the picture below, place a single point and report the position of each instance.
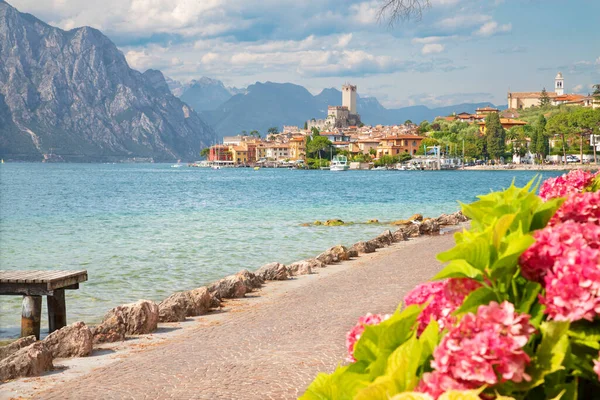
(339, 116)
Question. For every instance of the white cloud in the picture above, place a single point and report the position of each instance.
(344, 40)
(432, 39)
(432, 48)
(492, 27)
(464, 21)
(577, 88)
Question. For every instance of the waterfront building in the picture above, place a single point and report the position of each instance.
(340, 117)
(277, 151)
(363, 146)
(394, 145)
(297, 146)
(219, 153)
(239, 154)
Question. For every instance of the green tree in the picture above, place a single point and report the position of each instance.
(559, 125)
(495, 136)
(318, 146)
(305, 125)
(596, 93)
(204, 152)
(372, 152)
(315, 131)
(408, 122)
(255, 133)
(273, 130)
(542, 144)
(544, 99)
(585, 122)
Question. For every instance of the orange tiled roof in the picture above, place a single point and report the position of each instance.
(530, 95)
(569, 97)
(507, 121)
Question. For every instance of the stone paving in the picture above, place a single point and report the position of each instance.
(270, 347)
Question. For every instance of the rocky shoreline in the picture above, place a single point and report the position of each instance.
(27, 357)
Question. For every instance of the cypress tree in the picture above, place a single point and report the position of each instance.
(542, 146)
(544, 99)
(495, 136)
(533, 143)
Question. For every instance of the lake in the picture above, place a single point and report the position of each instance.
(148, 230)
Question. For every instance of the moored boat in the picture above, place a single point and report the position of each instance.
(339, 163)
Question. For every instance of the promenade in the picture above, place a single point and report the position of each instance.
(268, 346)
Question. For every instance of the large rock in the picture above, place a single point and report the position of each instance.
(363, 247)
(230, 287)
(250, 279)
(28, 361)
(15, 346)
(399, 235)
(385, 239)
(136, 318)
(112, 329)
(416, 217)
(402, 222)
(326, 258)
(446, 219)
(300, 268)
(200, 301)
(184, 304)
(272, 272)
(412, 230)
(334, 222)
(339, 252)
(75, 340)
(429, 227)
(460, 216)
(375, 244)
(173, 308)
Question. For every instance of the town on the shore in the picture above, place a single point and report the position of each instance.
(537, 128)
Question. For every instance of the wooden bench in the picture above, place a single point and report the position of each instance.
(32, 285)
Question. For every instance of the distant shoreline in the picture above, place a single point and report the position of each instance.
(526, 167)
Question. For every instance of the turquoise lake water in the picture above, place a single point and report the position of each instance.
(148, 230)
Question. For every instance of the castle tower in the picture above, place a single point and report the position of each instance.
(559, 84)
(349, 98)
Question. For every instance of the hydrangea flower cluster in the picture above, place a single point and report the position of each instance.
(554, 241)
(573, 286)
(581, 207)
(481, 349)
(562, 186)
(355, 333)
(443, 297)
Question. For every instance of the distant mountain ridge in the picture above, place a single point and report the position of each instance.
(267, 104)
(71, 95)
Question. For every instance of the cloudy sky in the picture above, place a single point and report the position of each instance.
(461, 50)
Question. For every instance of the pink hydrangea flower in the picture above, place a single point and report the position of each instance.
(554, 241)
(597, 366)
(354, 334)
(435, 384)
(485, 348)
(443, 298)
(580, 207)
(573, 286)
(561, 186)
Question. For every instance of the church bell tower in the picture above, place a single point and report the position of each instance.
(559, 84)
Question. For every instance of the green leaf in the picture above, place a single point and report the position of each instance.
(479, 297)
(475, 250)
(429, 339)
(382, 389)
(459, 269)
(585, 331)
(544, 212)
(403, 363)
(550, 354)
(529, 296)
(501, 228)
(320, 389)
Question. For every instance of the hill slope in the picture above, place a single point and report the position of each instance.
(72, 94)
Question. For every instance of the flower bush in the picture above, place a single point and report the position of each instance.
(514, 313)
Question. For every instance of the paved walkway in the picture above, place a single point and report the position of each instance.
(269, 347)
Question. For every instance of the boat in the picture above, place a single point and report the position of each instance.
(216, 167)
(178, 165)
(379, 169)
(339, 163)
(256, 168)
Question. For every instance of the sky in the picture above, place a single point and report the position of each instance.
(459, 51)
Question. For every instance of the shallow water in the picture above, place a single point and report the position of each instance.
(148, 230)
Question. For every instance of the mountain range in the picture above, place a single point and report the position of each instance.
(70, 95)
(264, 105)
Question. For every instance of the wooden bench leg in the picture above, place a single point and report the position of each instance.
(57, 311)
(31, 314)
